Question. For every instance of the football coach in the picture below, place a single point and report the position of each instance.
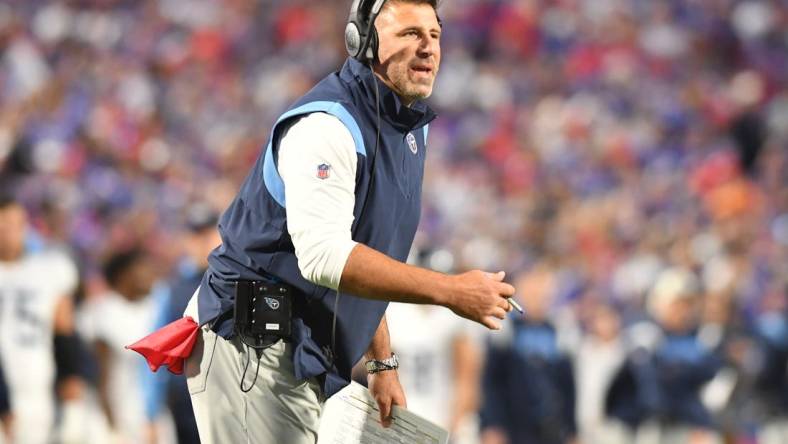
(314, 244)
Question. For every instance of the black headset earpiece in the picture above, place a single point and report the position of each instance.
(353, 30)
(361, 37)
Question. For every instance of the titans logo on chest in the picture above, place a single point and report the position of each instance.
(412, 143)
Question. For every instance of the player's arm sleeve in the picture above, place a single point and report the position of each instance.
(66, 345)
(319, 207)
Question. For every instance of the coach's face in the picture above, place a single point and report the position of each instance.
(409, 51)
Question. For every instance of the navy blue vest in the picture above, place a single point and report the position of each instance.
(257, 246)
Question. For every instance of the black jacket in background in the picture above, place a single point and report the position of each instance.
(664, 383)
(528, 386)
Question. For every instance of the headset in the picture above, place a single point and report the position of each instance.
(361, 37)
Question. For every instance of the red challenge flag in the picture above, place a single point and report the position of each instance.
(169, 345)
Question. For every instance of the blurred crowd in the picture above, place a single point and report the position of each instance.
(625, 161)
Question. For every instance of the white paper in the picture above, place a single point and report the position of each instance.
(352, 416)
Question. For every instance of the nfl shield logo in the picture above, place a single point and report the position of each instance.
(323, 171)
(412, 143)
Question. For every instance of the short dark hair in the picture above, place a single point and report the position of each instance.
(118, 263)
(433, 3)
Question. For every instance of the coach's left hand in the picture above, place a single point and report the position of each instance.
(385, 388)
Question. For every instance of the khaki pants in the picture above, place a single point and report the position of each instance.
(774, 432)
(278, 408)
(655, 433)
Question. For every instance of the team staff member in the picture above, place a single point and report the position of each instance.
(329, 212)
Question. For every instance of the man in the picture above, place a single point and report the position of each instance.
(441, 374)
(598, 358)
(37, 338)
(198, 240)
(128, 310)
(657, 393)
(528, 382)
(771, 388)
(326, 217)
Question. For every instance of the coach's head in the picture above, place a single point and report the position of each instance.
(408, 45)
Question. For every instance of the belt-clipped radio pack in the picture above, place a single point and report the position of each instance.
(263, 310)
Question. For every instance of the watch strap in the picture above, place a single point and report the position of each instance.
(379, 365)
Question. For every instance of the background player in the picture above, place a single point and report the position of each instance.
(35, 307)
(440, 374)
(129, 309)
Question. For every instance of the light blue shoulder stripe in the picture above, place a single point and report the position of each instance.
(335, 109)
(273, 182)
(426, 130)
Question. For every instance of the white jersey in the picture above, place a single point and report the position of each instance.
(119, 322)
(422, 337)
(596, 364)
(30, 290)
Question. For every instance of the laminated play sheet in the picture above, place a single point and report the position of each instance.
(352, 416)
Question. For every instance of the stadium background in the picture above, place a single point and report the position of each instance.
(582, 146)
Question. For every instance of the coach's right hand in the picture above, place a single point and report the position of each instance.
(475, 295)
(481, 297)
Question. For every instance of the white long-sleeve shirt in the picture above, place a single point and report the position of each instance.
(317, 161)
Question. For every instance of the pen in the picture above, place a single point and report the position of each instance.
(514, 304)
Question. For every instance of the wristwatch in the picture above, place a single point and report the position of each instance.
(375, 366)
